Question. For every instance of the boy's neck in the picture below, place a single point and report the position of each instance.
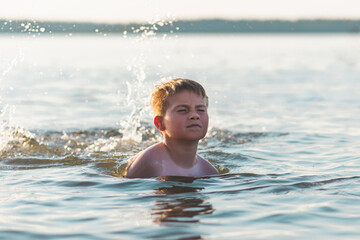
(183, 153)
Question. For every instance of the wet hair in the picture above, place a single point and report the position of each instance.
(162, 92)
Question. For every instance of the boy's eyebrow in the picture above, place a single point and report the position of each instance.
(186, 105)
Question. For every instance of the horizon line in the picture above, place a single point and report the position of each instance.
(177, 20)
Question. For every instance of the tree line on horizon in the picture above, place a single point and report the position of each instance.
(186, 26)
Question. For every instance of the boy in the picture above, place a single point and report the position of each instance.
(180, 114)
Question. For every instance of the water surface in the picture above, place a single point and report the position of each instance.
(284, 134)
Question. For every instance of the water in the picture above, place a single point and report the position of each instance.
(284, 113)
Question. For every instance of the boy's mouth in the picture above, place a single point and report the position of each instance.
(193, 126)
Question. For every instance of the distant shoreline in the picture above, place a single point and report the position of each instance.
(186, 26)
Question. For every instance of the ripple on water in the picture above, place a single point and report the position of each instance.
(262, 185)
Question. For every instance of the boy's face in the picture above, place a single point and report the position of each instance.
(186, 117)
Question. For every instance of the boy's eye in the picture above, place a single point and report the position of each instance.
(181, 110)
(201, 110)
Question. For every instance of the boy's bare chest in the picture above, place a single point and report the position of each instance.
(169, 168)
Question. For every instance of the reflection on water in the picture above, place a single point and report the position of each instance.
(182, 204)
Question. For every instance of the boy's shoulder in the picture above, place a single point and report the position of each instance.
(145, 163)
(207, 167)
(155, 161)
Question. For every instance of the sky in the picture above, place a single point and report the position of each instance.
(122, 11)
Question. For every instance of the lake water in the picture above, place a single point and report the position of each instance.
(284, 133)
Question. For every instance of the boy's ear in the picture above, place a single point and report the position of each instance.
(159, 123)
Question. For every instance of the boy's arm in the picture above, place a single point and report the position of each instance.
(140, 167)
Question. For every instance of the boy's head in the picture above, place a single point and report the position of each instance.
(162, 92)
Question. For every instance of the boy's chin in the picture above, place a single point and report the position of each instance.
(190, 136)
(196, 136)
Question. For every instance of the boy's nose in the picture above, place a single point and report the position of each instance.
(194, 115)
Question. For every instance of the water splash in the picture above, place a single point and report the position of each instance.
(31, 27)
(136, 101)
(7, 132)
(138, 91)
(13, 139)
(17, 140)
